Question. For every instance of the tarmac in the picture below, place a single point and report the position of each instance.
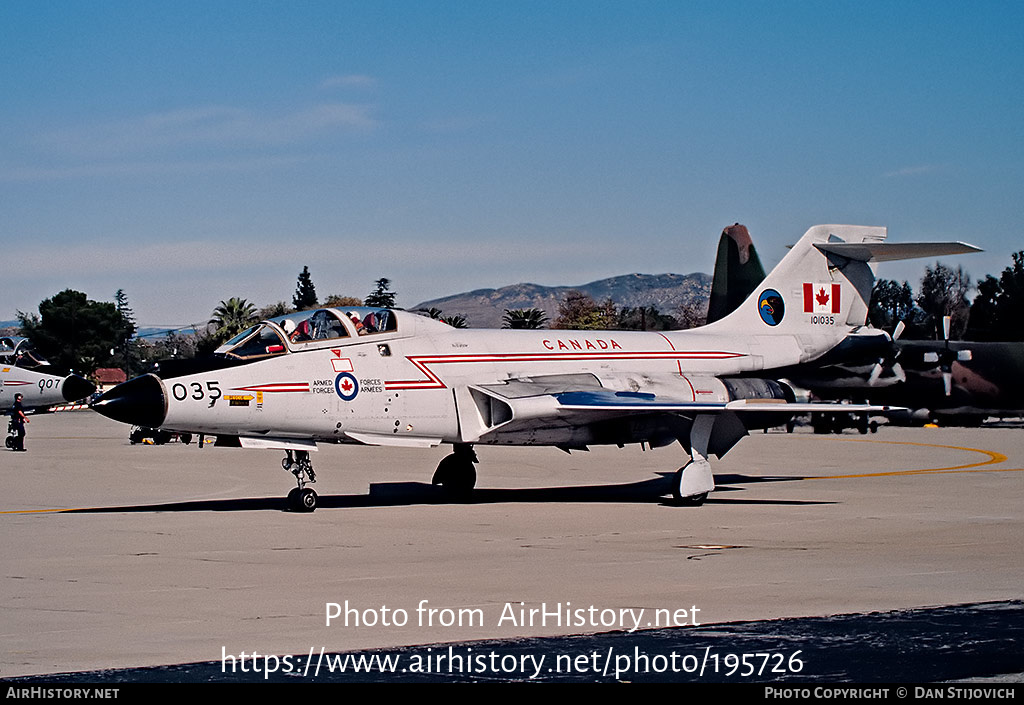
(127, 556)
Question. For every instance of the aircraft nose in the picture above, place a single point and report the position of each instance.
(75, 388)
(140, 401)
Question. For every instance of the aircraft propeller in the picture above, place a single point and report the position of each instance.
(946, 357)
(891, 361)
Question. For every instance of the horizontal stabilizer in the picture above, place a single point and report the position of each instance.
(889, 251)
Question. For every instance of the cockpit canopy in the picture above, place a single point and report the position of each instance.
(20, 353)
(307, 330)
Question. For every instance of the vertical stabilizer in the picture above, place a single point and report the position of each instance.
(738, 271)
(812, 294)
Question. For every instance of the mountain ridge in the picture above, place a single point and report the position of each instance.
(483, 308)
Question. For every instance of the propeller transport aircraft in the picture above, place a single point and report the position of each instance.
(394, 378)
(23, 372)
(952, 382)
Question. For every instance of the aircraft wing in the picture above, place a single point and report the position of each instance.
(520, 405)
(648, 403)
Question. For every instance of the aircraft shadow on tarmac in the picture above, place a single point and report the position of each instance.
(397, 494)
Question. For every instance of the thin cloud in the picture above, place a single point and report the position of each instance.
(209, 125)
(16, 174)
(911, 171)
(352, 80)
(458, 124)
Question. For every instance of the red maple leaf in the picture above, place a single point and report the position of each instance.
(346, 385)
(821, 297)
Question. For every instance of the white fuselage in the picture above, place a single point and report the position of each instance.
(402, 385)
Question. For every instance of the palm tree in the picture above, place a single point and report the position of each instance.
(456, 320)
(232, 317)
(519, 318)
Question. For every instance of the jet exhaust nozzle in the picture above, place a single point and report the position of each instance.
(140, 401)
(75, 388)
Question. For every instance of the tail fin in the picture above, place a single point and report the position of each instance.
(821, 288)
(738, 271)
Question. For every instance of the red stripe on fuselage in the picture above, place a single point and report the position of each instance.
(279, 387)
(432, 381)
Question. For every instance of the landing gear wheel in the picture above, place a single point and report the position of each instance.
(302, 499)
(456, 474)
(9, 442)
(694, 501)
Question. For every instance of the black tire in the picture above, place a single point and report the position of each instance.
(307, 500)
(457, 475)
(694, 501)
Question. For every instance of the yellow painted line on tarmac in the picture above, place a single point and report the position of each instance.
(993, 457)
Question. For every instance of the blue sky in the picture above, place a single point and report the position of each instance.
(187, 152)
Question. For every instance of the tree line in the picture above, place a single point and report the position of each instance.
(78, 334)
(75, 333)
(995, 314)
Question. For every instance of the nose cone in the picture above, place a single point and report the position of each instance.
(140, 401)
(75, 388)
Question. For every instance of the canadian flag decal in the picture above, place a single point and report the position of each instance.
(821, 298)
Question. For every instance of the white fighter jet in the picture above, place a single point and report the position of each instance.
(393, 378)
(23, 372)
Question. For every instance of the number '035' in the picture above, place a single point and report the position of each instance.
(196, 391)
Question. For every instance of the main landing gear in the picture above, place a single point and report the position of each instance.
(301, 498)
(692, 482)
(456, 473)
(687, 475)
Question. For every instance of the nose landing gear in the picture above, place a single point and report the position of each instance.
(301, 498)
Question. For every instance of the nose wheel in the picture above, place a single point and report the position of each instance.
(301, 498)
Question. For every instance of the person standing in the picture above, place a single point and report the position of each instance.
(18, 420)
